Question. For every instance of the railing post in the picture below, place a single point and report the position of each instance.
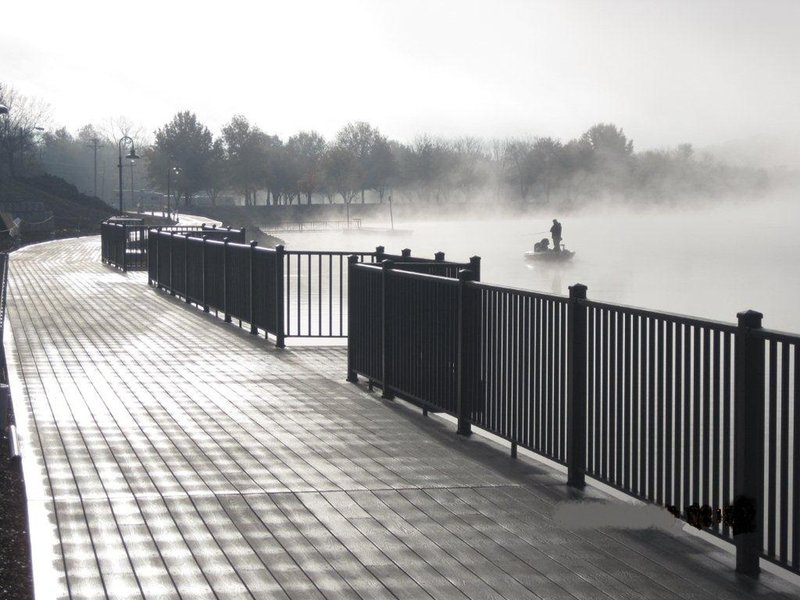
(124, 247)
(171, 263)
(226, 240)
(352, 261)
(385, 326)
(253, 328)
(279, 295)
(576, 387)
(748, 439)
(157, 258)
(439, 256)
(406, 252)
(379, 252)
(475, 267)
(186, 269)
(463, 407)
(205, 274)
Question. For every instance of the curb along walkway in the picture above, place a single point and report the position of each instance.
(168, 455)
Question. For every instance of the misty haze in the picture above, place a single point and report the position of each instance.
(378, 299)
(706, 259)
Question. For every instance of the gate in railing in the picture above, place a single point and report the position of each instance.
(670, 409)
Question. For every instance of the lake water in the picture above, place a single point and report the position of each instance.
(709, 262)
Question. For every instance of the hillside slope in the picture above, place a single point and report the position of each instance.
(73, 212)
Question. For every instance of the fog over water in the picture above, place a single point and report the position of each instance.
(708, 262)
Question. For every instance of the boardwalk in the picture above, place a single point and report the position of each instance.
(167, 454)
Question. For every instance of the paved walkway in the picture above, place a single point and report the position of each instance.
(167, 454)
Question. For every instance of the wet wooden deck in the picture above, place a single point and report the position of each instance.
(167, 454)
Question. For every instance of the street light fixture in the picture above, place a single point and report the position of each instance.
(132, 156)
(172, 169)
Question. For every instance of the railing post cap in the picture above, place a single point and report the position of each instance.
(253, 243)
(205, 237)
(405, 252)
(474, 259)
(279, 248)
(466, 275)
(379, 249)
(750, 318)
(387, 263)
(226, 239)
(577, 291)
(439, 256)
(353, 258)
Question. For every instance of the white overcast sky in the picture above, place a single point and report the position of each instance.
(669, 71)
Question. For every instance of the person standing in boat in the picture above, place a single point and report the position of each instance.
(555, 230)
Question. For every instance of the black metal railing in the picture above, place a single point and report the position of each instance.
(781, 403)
(288, 293)
(670, 409)
(315, 292)
(125, 244)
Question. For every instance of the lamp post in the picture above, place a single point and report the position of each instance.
(132, 156)
(170, 171)
(4, 111)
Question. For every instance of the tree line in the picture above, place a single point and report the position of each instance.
(244, 164)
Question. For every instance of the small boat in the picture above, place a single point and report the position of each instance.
(549, 255)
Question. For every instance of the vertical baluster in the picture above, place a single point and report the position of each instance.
(726, 424)
(605, 409)
(651, 407)
(627, 327)
(772, 441)
(705, 399)
(637, 460)
(716, 398)
(669, 412)
(688, 422)
(796, 470)
(783, 502)
(622, 406)
(562, 370)
(659, 414)
(612, 397)
(525, 374)
(549, 396)
(680, 442)
(590, 396)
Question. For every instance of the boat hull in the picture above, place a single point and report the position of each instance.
(549, 256)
